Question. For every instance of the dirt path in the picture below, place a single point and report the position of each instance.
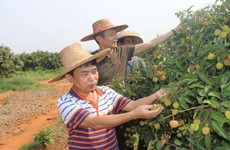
(23, 132)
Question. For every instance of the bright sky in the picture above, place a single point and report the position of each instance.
(51, 25)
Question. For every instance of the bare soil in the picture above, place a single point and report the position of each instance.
(24, 113)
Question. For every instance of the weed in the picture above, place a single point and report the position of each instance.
(5, 112)
(41, 139)
(5, 101)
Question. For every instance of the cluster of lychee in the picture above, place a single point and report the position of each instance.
(220, 65)
(223, 32)
(159, 74)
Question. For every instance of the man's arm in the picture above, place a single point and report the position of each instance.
(107, 121)
(146, 100)
(139, 48)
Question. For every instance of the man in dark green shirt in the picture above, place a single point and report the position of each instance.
(105, 34)
(131, 38)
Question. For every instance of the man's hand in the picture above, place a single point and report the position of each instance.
(160, 93)
(180, 27)
(145, 112)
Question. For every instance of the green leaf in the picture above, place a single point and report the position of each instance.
(227, 91)
(219, 130)
(188, 92)
(182, 103)
(214, 94)
(196, 85)
(177, 142)
(215, 104)
(219, 117)
(226, 44)
(221, 148)
(199, 99)
(179, 66)
(212, 103)
(226, 104)
(159, 145)
(203, 114)
(195, 143)
(201, 93)
(204, 78)
(150, 144)
(207, 141)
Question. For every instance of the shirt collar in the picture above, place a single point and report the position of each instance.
(76, 94)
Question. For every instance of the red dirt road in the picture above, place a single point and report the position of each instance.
(24, 132)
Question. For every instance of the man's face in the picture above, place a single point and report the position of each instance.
(110, 39)
(128, 41)
(85, 78)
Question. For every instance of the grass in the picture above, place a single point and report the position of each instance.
(32, 146)
(17, 83)
(51, 134)
(22, 81)
(39, 75)
(41, 139)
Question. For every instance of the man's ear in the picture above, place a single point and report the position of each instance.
(98, 38)
(69, 78)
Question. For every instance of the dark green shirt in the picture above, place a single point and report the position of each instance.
(116, 64)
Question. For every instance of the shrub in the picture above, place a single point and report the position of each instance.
(196, 84)
(9, 63)
(40, 59)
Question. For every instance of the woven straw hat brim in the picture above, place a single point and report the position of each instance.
(117, 28)
(137, 38)
(98, 55)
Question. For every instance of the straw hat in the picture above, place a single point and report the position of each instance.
(74, 56)
(137, 38)
(102, 25)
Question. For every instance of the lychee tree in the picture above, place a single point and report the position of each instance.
(195, 65)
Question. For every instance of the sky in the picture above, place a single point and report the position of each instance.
(50, 25)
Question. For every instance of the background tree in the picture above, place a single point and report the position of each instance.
(9, 63)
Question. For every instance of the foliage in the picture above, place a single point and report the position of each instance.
(9, 63)
(32, 146)
(57, 134)
(26, 80)
(40, 59)
(41, 139)
(198, 83)
(15, 84)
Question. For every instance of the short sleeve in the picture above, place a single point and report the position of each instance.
(71, 112)
(120, 103)
(129, 50)
(117, 101)
(77, 118)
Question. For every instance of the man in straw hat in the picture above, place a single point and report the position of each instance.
(105, 34)
(125, 38)
(91, 112)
